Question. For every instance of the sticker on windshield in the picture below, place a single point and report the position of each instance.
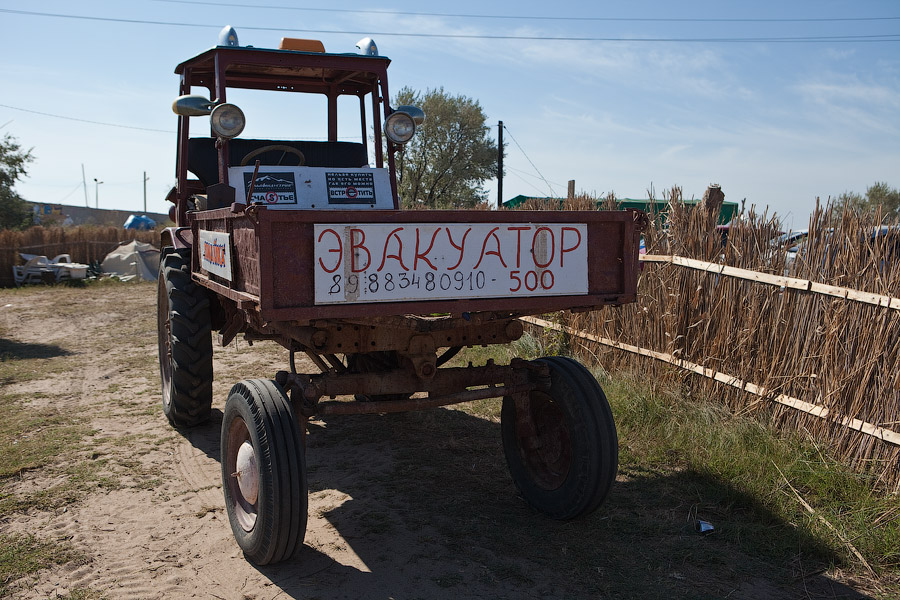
(350, 188)
(272, 188)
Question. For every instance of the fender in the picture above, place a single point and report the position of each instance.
(177, 237)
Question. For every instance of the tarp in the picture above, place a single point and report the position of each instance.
(132, 260)
(140, 222)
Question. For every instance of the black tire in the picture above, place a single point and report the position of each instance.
(271, 528)
(185, 342)
(564, 455)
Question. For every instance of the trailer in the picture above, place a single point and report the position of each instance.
(303, 242)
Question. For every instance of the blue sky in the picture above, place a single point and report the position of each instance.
(776, 123)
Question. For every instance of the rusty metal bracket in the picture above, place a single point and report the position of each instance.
(423, 356)
(233, 326)
(393, 406)
(446, 386)
(409, 336)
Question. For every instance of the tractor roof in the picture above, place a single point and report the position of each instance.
(285, 70)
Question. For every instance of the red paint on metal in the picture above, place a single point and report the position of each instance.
(275, 257)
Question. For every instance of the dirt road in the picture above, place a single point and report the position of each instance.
(154, 524)
(404, 506)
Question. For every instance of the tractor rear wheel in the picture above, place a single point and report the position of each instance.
(263, 472)
(185, 341)
(561, 445)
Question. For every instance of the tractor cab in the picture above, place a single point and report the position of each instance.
(303, 163)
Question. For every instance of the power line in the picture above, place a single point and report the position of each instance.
(527, 174)
(75, 189)
(538, 17)
(540, 191)
(887, 37)
(35, 112)
(529, 160)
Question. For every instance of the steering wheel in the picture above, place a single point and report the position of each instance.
(274, 147)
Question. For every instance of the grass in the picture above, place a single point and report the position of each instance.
(663, 430)
(31, 438)
(660, 430)
(42, 442)
(681, 459)
(22, 555)
(35, 439)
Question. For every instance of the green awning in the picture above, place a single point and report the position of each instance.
(653, 207)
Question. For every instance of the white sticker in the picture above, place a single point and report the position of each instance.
(215, 253)
(319, 188)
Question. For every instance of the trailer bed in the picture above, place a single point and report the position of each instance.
(310, 264)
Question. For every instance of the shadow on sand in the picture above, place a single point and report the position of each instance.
(432, 513)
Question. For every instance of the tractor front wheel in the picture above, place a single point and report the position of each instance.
(263, 472)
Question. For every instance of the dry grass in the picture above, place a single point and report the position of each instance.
(820, 349)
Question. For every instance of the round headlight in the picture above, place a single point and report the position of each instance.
(227, 120)
(399, 127)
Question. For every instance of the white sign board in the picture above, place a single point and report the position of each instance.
(319, 188)
(215, 253)
(449, 261)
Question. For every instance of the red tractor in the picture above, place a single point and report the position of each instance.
(303, 242)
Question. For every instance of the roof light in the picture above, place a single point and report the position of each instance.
(228, 37)
(299, 45)
(367, 47)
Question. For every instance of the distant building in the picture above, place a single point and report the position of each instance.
(65, 216)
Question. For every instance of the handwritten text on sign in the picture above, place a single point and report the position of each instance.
(414, 261)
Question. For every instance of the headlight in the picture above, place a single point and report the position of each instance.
(399, 127)
(227, 120)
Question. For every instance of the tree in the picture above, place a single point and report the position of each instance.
(14, 211)
(451, 155)
(880, 194)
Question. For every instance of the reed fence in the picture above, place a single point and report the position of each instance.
(814, 354)
(84, 244)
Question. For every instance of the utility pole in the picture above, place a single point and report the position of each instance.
(500, 167)
(97, 193)
(145, 192)
(84, 185)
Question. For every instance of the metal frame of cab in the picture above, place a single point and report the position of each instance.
(332, 75)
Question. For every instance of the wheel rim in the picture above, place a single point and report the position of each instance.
(164, 332)
(242, 479)
(544, 441)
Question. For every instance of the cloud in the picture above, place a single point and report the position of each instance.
(843, 100)
(843, 89)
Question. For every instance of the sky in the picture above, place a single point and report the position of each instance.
(777, 102)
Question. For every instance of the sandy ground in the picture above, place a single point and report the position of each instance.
(162, 532)
(152, 524)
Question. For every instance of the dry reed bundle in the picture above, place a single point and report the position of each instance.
(823, 350)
